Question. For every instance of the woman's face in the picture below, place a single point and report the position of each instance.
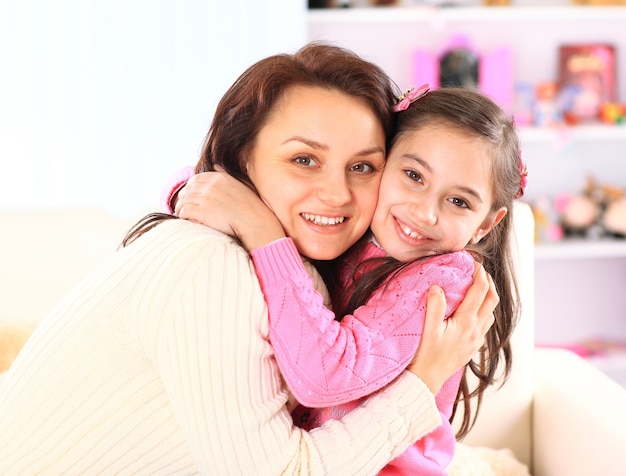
(317, 164)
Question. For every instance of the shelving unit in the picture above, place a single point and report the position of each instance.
(579, 284)
(583, 133)
(581, 249)
(531, 31)
(418, 13)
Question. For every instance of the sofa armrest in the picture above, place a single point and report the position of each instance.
(579, 418)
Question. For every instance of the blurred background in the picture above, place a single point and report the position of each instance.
(101, 101)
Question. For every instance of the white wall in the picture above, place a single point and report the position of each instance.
(100, 101)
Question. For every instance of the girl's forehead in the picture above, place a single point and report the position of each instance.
(439, 135)
(446, 149)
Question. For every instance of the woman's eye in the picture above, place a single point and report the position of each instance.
(362, 168)
(305, 160)
(459, 202)
(413, 175)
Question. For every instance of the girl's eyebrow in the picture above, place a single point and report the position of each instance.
(319, 146)
(464, 189)
(472, 192)
(417, 159)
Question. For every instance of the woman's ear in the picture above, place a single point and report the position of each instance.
(490, 222)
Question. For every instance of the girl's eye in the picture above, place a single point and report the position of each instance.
(413, 175)
(362, 168)
(459, 202)
(305, 161)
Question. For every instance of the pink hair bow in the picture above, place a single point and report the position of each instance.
(411, 95)
(523, 171)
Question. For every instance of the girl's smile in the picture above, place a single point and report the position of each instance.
(435, 194)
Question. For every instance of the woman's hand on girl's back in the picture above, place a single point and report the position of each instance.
(222, 202)
(449, 344)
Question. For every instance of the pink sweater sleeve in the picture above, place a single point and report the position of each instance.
(173, 186)
(327, 362)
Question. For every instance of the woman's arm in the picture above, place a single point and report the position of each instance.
(220, 201)
(326, 362)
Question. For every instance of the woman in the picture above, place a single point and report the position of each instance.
(159, 362)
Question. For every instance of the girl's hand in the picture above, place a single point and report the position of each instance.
(447, 345)
(222, 202)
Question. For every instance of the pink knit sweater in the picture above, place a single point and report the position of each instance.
(330, 366)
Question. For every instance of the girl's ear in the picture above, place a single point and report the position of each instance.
(490, 222)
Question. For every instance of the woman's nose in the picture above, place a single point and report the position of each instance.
(334, 190)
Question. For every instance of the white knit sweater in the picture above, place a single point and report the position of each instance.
(159, 363)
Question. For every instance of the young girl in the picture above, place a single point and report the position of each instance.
(451, 176)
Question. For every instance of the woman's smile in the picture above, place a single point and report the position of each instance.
(323, 220)
(319, 171)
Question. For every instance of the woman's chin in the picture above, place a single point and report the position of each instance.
(320, 252)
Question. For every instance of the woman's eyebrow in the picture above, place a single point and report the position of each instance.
(311, 143)
(319, 146)
(372, 150)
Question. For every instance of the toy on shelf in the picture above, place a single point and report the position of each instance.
(588, 72)
(578, 215)
(596, 212)
(546, 111)
(614, 218)
(612, 203)
(612, 113)
(547, 226)
(459, 64)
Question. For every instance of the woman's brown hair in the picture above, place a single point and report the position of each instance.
(245, 107)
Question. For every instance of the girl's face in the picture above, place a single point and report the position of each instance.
(317, 163)
(435, 194)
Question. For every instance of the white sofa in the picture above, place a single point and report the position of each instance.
(558, 414)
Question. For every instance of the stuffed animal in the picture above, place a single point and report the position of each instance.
(579, 213)
(598, 210)
(612, 201)
(614, 218)
(12, 339)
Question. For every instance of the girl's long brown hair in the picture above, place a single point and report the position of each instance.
(478, 116)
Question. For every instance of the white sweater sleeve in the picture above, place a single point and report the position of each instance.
(159, 362)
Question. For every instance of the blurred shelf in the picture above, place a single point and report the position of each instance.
(587, 133)
(581, 249)
(421, 13)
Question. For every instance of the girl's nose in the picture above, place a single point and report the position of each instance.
(424, 210)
